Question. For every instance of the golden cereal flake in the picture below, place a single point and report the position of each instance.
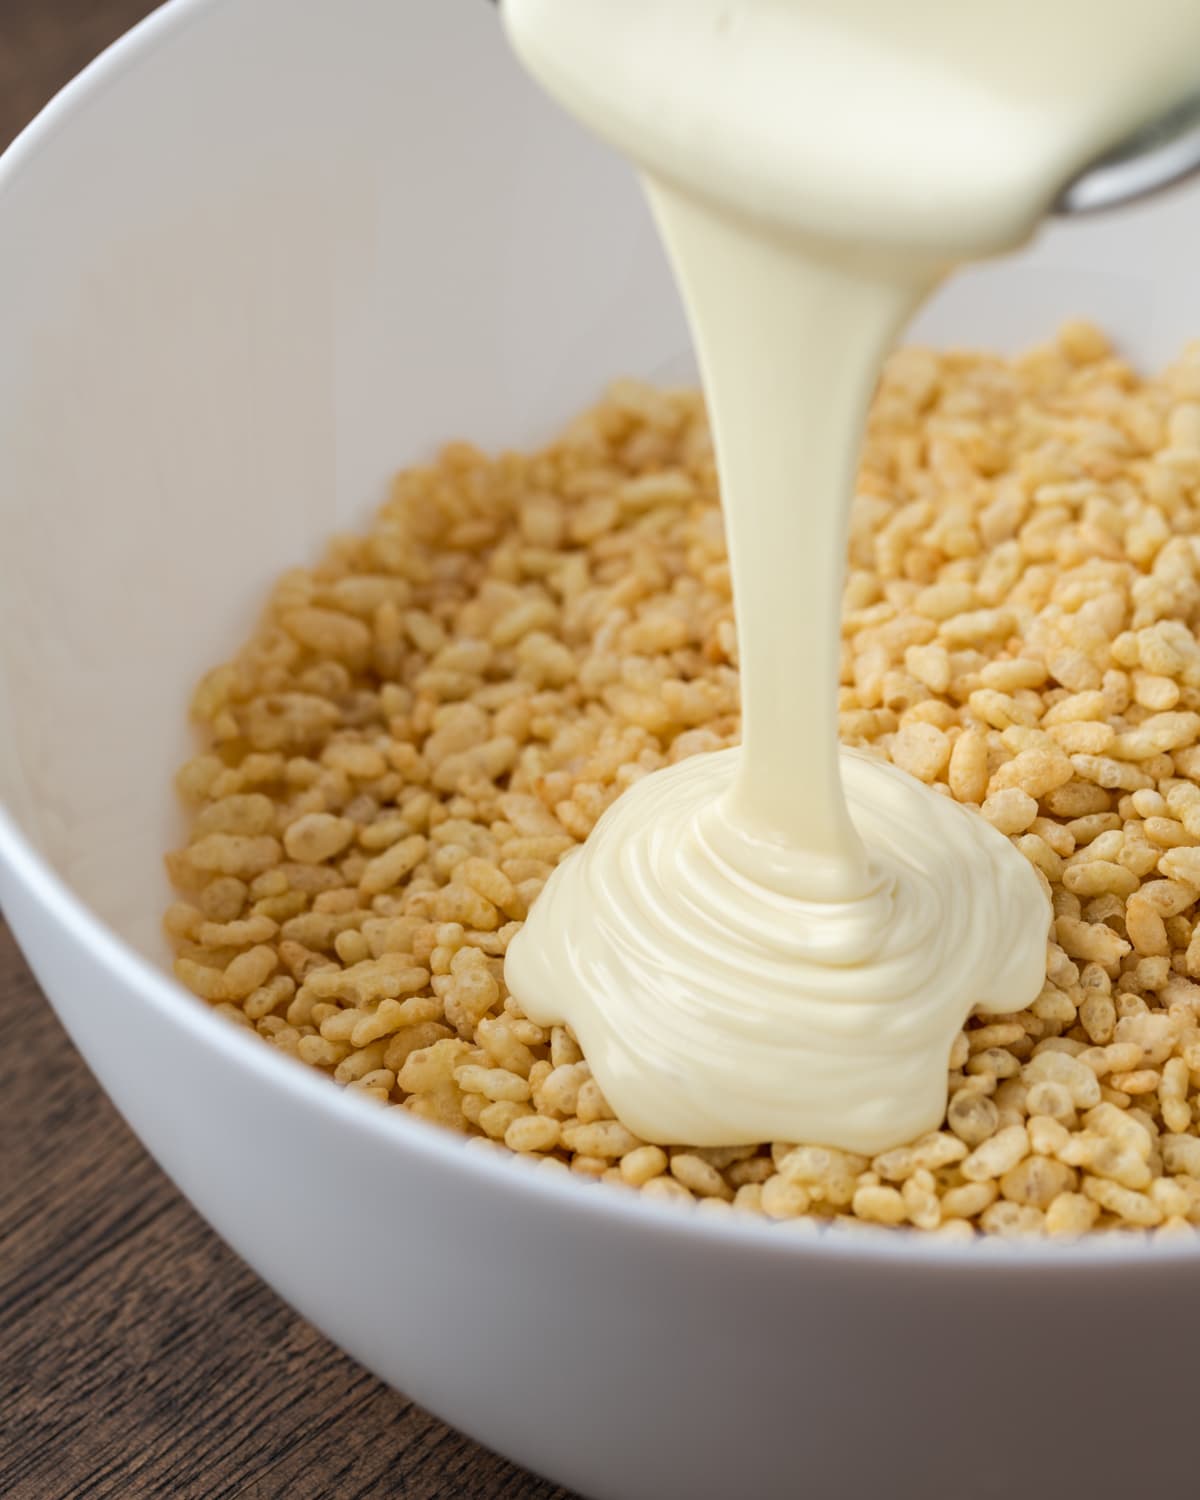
(429, 719)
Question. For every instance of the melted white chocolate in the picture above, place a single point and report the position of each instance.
(717, 1012)
(780, 942)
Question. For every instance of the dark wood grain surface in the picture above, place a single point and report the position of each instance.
(138, 1356)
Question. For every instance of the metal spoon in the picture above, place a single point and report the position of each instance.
(1159, 155)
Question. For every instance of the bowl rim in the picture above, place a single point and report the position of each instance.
(688, 1229)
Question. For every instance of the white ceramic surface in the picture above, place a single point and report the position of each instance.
(260, 254)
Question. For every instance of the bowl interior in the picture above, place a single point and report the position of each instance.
(255, 263)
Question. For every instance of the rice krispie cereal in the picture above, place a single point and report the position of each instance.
(429, 719)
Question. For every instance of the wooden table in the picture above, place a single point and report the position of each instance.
(138, 1355)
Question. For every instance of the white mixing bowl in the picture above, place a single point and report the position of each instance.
(259, 255)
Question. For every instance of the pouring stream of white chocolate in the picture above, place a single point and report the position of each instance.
(780, 942)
